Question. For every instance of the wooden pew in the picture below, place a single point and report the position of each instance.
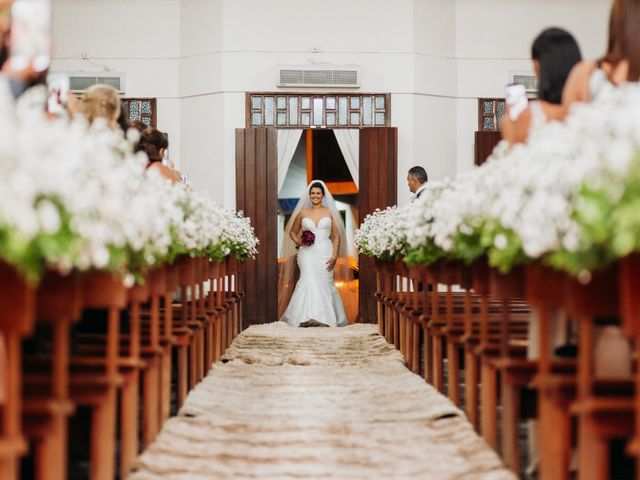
(17, 316)
(39, 391)
(47, 403)
(629, 300)
(95, 380)
(555, 380)
(604, 406)
(516, 370)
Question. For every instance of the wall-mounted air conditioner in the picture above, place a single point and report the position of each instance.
(80, 81)
(526, 78)
(309, 76)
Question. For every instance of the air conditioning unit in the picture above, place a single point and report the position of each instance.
(528, 79)
(80, 81)
(318, 77)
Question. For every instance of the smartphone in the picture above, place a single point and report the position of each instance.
(516, 99)
(30, 35)
(58, 94)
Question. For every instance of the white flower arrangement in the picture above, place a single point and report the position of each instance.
(73, 197)
(207, 228)
(382, 233)
(569, 197)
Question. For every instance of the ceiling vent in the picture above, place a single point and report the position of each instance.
(318, 77)
(80, 81)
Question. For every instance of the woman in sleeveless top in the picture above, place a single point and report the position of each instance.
(154, 143)
(554, 53)
(620, 64)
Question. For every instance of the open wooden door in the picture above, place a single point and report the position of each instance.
(378, 189)
(257, 196)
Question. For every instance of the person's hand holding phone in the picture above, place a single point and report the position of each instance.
(30, 41)
(516, 100)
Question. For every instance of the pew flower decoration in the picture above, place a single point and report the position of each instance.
(607, 200)
(238, 235)
(568, 198)
(419, 225)
(78, 198)
(207, 228)
(383, 233)
(521, 206)
(568, 194)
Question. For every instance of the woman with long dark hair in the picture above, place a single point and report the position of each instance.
(554, 54)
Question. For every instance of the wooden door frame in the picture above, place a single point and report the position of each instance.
(257, 197)
(379, 171)
(256, 161)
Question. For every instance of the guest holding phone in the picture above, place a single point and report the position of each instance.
(25, 43)
(554, 53)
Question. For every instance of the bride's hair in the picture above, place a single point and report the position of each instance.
(317, 185)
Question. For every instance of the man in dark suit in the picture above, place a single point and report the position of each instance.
(417, 180)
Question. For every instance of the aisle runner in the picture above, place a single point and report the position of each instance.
(316, 403)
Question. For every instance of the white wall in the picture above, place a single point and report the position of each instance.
(119, 35)
(434, 95)
(199, 57)
(202, 111)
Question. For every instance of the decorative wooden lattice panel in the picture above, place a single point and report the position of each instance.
(334, 110)
(140, 110)
(490, 113)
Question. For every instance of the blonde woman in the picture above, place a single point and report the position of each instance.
(101, 101)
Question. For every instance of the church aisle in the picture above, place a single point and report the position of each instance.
(316, 403)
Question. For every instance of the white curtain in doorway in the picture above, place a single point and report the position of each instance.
(349, 141)
(288, 140)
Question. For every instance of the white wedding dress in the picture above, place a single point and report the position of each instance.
(316, 296)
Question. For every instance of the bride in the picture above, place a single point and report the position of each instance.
(317, 232)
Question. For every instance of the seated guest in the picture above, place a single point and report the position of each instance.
(417, 180)
(154, 143)
(101, 101)
(620, 64)
(554, 53)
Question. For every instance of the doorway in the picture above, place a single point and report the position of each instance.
(257, 194)
(319, 156)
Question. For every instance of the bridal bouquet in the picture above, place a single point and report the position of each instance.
(308, 238)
